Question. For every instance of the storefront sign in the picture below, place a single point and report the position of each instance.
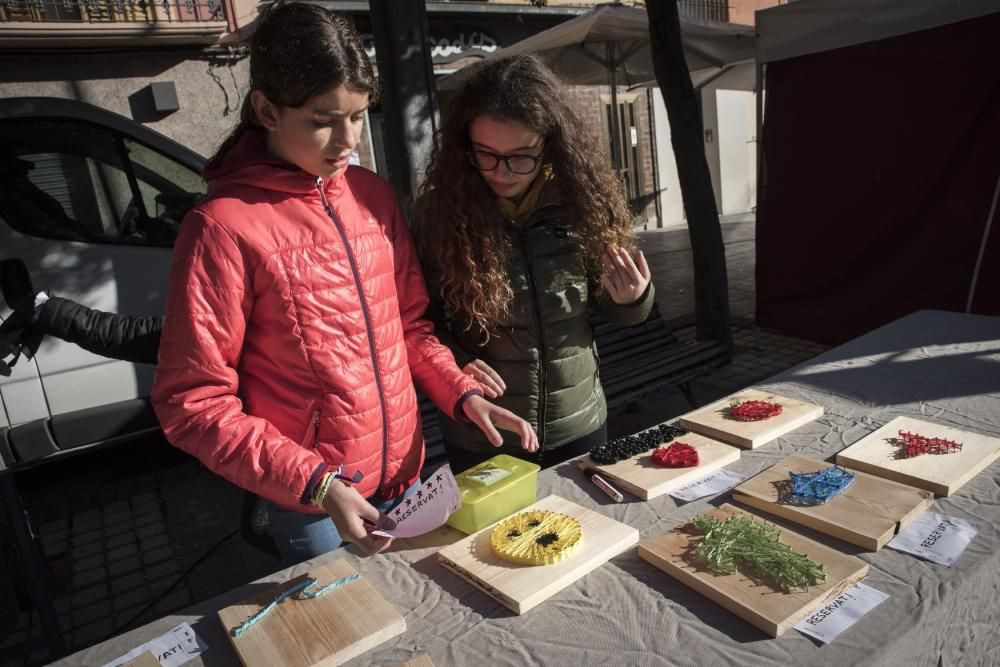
(446, 49)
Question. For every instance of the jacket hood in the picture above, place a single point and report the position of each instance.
(248, 162)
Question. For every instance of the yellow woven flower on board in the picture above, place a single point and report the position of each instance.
(536, 538)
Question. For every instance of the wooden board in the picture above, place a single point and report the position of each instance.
(771, 610)
(521, 587)
(328, 630)
(714, 420)
(867, 513)
(644, 479)
(942, 474)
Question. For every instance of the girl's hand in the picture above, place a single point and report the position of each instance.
(488, 378)
(485, 415)
(354, 517)
(625, 280)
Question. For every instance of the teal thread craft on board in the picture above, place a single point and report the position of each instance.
(815, 488)
(301, 590)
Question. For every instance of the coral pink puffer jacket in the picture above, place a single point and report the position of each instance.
(295, 331)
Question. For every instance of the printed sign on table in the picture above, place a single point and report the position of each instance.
(717, 482)
(842, 612)
(427, 508)
(936, 537)
(171, 649)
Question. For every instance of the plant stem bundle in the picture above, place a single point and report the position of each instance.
(754, 548)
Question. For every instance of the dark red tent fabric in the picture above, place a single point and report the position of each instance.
(881, 161)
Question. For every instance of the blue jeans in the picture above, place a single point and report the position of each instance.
(300, 536)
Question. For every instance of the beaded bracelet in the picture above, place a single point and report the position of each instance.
(322, 488)
(340, 472)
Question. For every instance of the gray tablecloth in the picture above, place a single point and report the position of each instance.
(944, 367)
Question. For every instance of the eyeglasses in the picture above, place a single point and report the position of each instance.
(516, 164)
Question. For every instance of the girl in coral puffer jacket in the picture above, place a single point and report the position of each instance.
(294, 329)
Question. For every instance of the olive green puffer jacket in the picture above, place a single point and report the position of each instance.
(544, 350)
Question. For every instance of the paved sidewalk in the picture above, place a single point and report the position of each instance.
(133, 533)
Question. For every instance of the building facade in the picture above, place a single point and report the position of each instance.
(110, 53)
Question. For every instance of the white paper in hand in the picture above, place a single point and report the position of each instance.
(840, 613)
(426, 508)
(716, 482)
(171, 649)
(936, 537)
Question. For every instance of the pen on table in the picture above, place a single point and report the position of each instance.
(604, 485)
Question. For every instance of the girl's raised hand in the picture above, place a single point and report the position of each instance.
(626, 280)
(355, 518)
(489, 417)
(488, 378)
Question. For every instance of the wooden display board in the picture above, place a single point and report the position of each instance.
(771, 610)
(328, 630)
(522, 587)
(714, 420)
(643, 478)
(868, 513)
(942, 474)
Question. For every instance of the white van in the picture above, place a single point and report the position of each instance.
(91, 202)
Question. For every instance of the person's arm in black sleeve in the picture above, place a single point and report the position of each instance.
(126, 337)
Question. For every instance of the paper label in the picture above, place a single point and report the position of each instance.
(713, 483)
(171, 649)
(426, 508)
(488, 475)
(936, 537)
(840, 613)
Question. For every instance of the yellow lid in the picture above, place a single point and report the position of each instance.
(492, 476)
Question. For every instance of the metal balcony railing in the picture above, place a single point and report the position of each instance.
(111, 11)
(704, 10)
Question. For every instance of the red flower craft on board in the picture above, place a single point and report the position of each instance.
(677, 455)
(753, 411)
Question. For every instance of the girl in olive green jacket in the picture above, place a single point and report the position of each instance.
(523, 232)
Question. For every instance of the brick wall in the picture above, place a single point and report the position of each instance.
(588, 103)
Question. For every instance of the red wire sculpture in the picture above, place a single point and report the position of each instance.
(677, 455)
(754, 411)
(915, 445)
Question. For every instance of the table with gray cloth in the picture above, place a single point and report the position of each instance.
(943, 367)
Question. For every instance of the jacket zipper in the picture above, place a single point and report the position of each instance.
(315, 429)
(368, 326)
(541, 339)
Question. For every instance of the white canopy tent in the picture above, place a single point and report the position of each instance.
(610, 45)
(813, 26)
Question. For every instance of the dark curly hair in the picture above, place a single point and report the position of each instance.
(457, 225)
(298, 51)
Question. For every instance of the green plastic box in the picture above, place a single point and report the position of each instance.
(492, 490)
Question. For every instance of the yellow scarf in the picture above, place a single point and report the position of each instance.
(518, 213)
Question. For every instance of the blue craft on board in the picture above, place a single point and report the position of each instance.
(301, 589)
(815, 488)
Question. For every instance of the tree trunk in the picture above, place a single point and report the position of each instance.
(711, 285)
(406, 74)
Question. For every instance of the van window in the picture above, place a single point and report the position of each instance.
(70, 180)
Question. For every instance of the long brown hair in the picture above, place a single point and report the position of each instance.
(459, 231)
(301, 50)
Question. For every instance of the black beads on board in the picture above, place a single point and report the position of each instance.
(628, 446)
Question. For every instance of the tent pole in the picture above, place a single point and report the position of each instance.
(759, 139)
(982, 247)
